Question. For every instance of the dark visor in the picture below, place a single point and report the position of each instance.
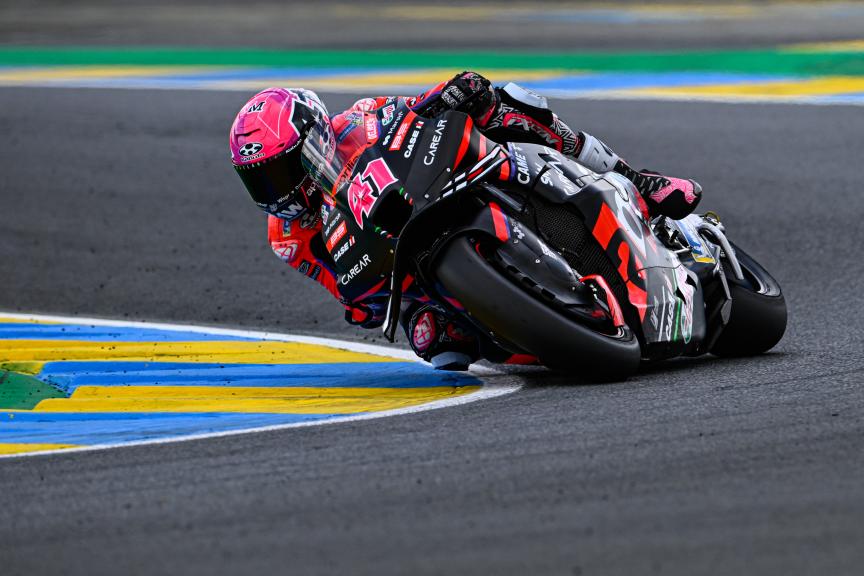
(320, 157)
(274, 182)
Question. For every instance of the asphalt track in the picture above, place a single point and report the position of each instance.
(122, 204)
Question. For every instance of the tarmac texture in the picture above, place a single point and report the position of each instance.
(123, 204)
(129, 209)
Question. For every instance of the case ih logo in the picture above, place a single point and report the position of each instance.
(361, 195)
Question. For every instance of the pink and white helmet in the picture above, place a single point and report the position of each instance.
(266, 139)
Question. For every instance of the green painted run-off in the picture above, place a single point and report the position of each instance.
(739, 61)
(23, 392)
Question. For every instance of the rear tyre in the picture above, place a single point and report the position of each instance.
(517, 317)
(758, 316)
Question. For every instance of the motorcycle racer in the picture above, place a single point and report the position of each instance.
(268, 133)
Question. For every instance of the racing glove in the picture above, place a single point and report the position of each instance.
(467, 92)
(363, 316)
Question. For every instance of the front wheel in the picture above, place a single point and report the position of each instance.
(758, 317)
(513, 315)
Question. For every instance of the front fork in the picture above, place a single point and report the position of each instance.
(701, 244)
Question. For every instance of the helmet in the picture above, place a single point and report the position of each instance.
(266, 139)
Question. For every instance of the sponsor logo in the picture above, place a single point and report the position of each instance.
(364, 261)
(340, 232)
(326, 212)
(345, 132)
(366, 189)
(392, 128)
(387, 114)
(429, 158)
(400, 135)
(333, 218)
(289, 212)
(371, 128)
(409, 149)
(315, 273)
(523, 176)
(451, 95)
(686, 291)
(287, 251)
(343, 249)
(257, 107)
(251, 151)
(251, 148)
(303, 268)
(668, 314)
(396, 122)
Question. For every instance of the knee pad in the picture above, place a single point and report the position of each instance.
(596, 155)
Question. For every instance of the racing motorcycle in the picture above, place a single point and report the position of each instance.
(540, 255)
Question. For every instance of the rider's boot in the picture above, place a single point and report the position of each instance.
(664, 195)
(439, 340)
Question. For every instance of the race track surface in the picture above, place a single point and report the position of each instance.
(122, 204)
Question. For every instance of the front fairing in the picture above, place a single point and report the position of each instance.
(366, 179)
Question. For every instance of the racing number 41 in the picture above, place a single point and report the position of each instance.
(361, 195)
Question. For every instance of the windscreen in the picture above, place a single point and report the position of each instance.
(319, 156)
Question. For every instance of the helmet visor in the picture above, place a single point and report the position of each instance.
(319, 156)
(275, 184)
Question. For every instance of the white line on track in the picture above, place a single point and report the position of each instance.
(487, 391)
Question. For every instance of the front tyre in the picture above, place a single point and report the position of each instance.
(513, 315)
(758, 317)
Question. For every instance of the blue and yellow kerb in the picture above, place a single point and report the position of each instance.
(71, 385)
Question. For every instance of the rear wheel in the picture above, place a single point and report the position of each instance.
(514, 315)
(758, 317)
